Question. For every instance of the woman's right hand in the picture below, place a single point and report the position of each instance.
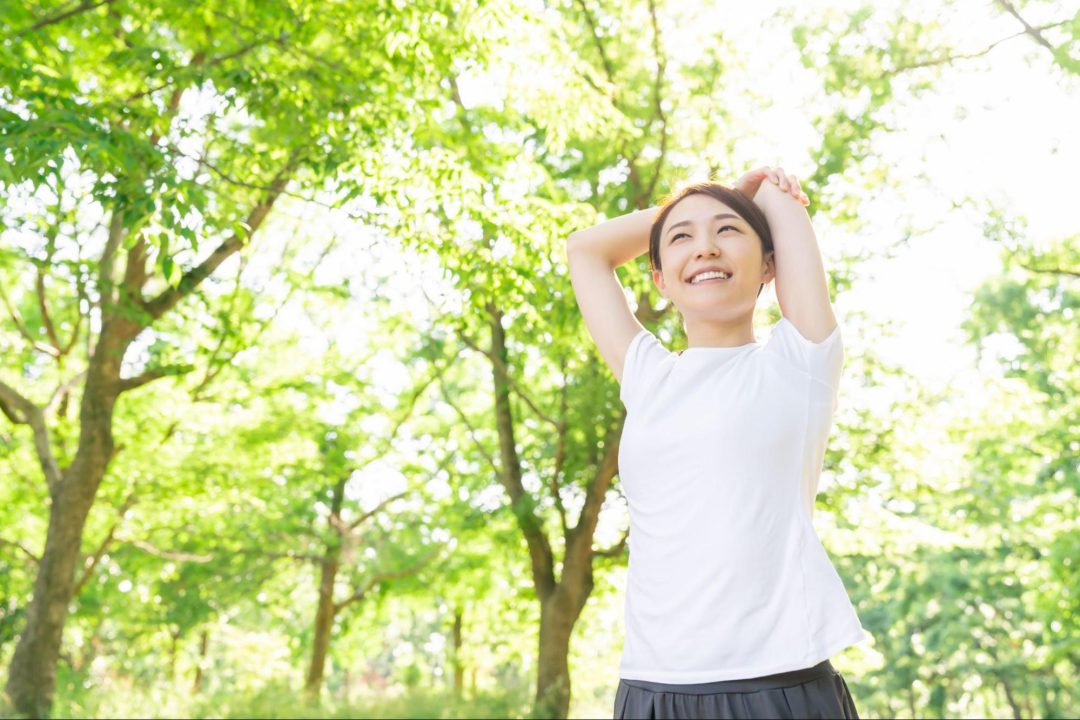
(749, 183)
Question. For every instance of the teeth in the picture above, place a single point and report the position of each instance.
(708, 276)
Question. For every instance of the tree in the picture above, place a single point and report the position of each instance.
(136, 134)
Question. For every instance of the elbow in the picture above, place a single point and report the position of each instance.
(573, 243)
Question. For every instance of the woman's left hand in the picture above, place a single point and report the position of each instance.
(750, 182)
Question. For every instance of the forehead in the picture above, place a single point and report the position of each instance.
(698, 208)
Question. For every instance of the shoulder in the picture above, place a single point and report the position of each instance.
(647, 360)
(823, 361)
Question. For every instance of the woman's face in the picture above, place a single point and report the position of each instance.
(701, 233)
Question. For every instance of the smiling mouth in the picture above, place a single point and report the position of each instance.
(710, 279)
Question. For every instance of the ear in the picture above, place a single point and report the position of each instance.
(658, 281)
(768, 267)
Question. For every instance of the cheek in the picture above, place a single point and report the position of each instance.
(671, 276)
(673, 258)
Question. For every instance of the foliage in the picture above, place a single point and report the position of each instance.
(419, 165)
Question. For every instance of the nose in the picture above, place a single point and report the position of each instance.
(710, 248)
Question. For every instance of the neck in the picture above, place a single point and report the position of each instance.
(720, 334)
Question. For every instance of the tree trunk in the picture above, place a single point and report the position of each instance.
(1009, 697)
(32, 679)
(326, 610)
(562, 600)
(174, 649)
(455, 656)
(324, 625)
(557, 618)
(204, 644)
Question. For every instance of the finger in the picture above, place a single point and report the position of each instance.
(793, 182)
(753, 176)
(770, 173)
(782, 181)
(804, 199)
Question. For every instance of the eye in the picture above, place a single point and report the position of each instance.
(679, 235)
(726, 227)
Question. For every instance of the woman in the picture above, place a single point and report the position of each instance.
(732, 606)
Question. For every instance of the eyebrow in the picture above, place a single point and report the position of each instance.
(721, 216)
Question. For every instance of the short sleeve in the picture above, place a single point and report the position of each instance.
(823, 361)
(644, 358)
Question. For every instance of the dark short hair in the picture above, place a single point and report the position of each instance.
(743, 206)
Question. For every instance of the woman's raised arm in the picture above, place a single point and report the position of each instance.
(801, 285)
(592, 255)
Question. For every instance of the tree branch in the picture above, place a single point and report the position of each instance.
(135, 268)
(658, 84)
(305, 557)
(609, 69)
(211, 371)
(579, 548)
(173, 555)
(946, 59)
(106, 282)
(201, 161)
(360, 592)
(80, 293)
(513, 384)
(1032, 31)
(560, 459)
(468, 426)
(461, 413)
(521, 501)
(410, 405)
(213, 62)
(1049, 270)
(62, 391)
(291, 50)
(370, 513)
(560, 452)
(19, 546)
(60, 17)
(21, 411)
(213, 367)
(125, 384)
(194, 277)
(92, 561)
(616, 549)
(612, 97)
(43, 308)
(23, 330)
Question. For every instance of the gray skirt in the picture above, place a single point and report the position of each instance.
(815, 692)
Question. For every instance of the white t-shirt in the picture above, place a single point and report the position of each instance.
(719, 460)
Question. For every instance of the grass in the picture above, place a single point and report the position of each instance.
(275, 700)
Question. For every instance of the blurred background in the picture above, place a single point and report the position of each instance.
(297, 412)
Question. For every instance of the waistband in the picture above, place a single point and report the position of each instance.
(765, 682)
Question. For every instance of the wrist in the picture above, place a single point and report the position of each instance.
(767, 193)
